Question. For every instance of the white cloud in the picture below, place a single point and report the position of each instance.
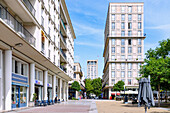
(161, 27)
(89, 44)
(76, 58)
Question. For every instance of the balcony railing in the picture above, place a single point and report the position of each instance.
(63, 23)
(127, 34)
(63, 68)
(30, 7)
(17, 26)
(63, 53)
(62, 37)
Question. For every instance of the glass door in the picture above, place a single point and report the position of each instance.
(17, 96)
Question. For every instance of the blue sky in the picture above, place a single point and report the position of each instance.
(88, 18)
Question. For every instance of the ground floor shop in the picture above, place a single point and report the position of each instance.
(21, 79)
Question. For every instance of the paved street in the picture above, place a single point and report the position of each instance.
(81, 106)
(117, 107)
(90, 106)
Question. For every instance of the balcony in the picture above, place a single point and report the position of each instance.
(63, 53)
(29, 6)
(24, 9)
(17, 26)
(63, 68)
(62, 37)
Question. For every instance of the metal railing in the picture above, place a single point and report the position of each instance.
(63, 53)
(17, 26)
(30, 6)
(62, 37)
(63, 68)
(63, 23)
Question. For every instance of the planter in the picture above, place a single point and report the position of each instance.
(31, 104)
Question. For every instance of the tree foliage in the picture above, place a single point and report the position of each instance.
(119, 86)
(157, 65)
(97, 86)
(88, 86)
(76, 86)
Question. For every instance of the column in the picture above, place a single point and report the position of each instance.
(45, 85)
(54, 87)
(64, 91)
(32, 80)
(59, 88)
(1, 86)
(110, 93)
(8, 79)
(67, 91)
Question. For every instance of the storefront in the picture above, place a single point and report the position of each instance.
(49, 90)
(39, 85)
(19, 83)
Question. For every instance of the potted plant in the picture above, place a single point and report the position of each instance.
(34, 99)
(136, 58)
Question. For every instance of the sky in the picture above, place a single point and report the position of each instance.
(89, 17)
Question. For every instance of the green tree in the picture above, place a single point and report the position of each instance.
(88, 86)
(76, 86)
(97, 86)
(119, 86)
(156, 65)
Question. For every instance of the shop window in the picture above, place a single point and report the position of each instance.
(23, 95)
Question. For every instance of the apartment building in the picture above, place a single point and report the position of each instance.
(36, 52)
(124, 46)
(78, 76)
(92, 69)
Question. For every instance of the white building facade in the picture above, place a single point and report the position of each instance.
(36, 52)
(124, 46)
(92, 69)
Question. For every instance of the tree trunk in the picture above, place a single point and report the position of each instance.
(166, 96)
(158, 95)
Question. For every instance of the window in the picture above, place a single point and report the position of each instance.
(113, 65)
(74, 75)
(139, 17)
(113, 49)
(129, 17)
(113, 25)
(123, 25)
(113, 33)
(113, 41)
(42, 21)
(122, 41)
(50, 79)
(123, 9)
(129, 66)
(129, 57)
(139, 25)
(113, 74)
(122, 65)
(48, 30)
(129, 42)
(139, 57)
(139, 64)
(113, 81)
(122, 74)
(123, 33)
(129, 25)
(113, 17)
(129, 82)
(49, 53)
(139, 9)
(129, 49)
(122, 57)
(74, 68)
(139, 33)
(123, 17)
(113, 57)
(129, 33)
(16, 67)
(130, 9)
(129, 74)
(139, 50)
(123, 80)
(139, 42)
(113, 9)
(122, 49)
(23, 69)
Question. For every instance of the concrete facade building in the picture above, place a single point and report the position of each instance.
(78, 75)
(124, 46)
(92, 69)
(36, 52)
